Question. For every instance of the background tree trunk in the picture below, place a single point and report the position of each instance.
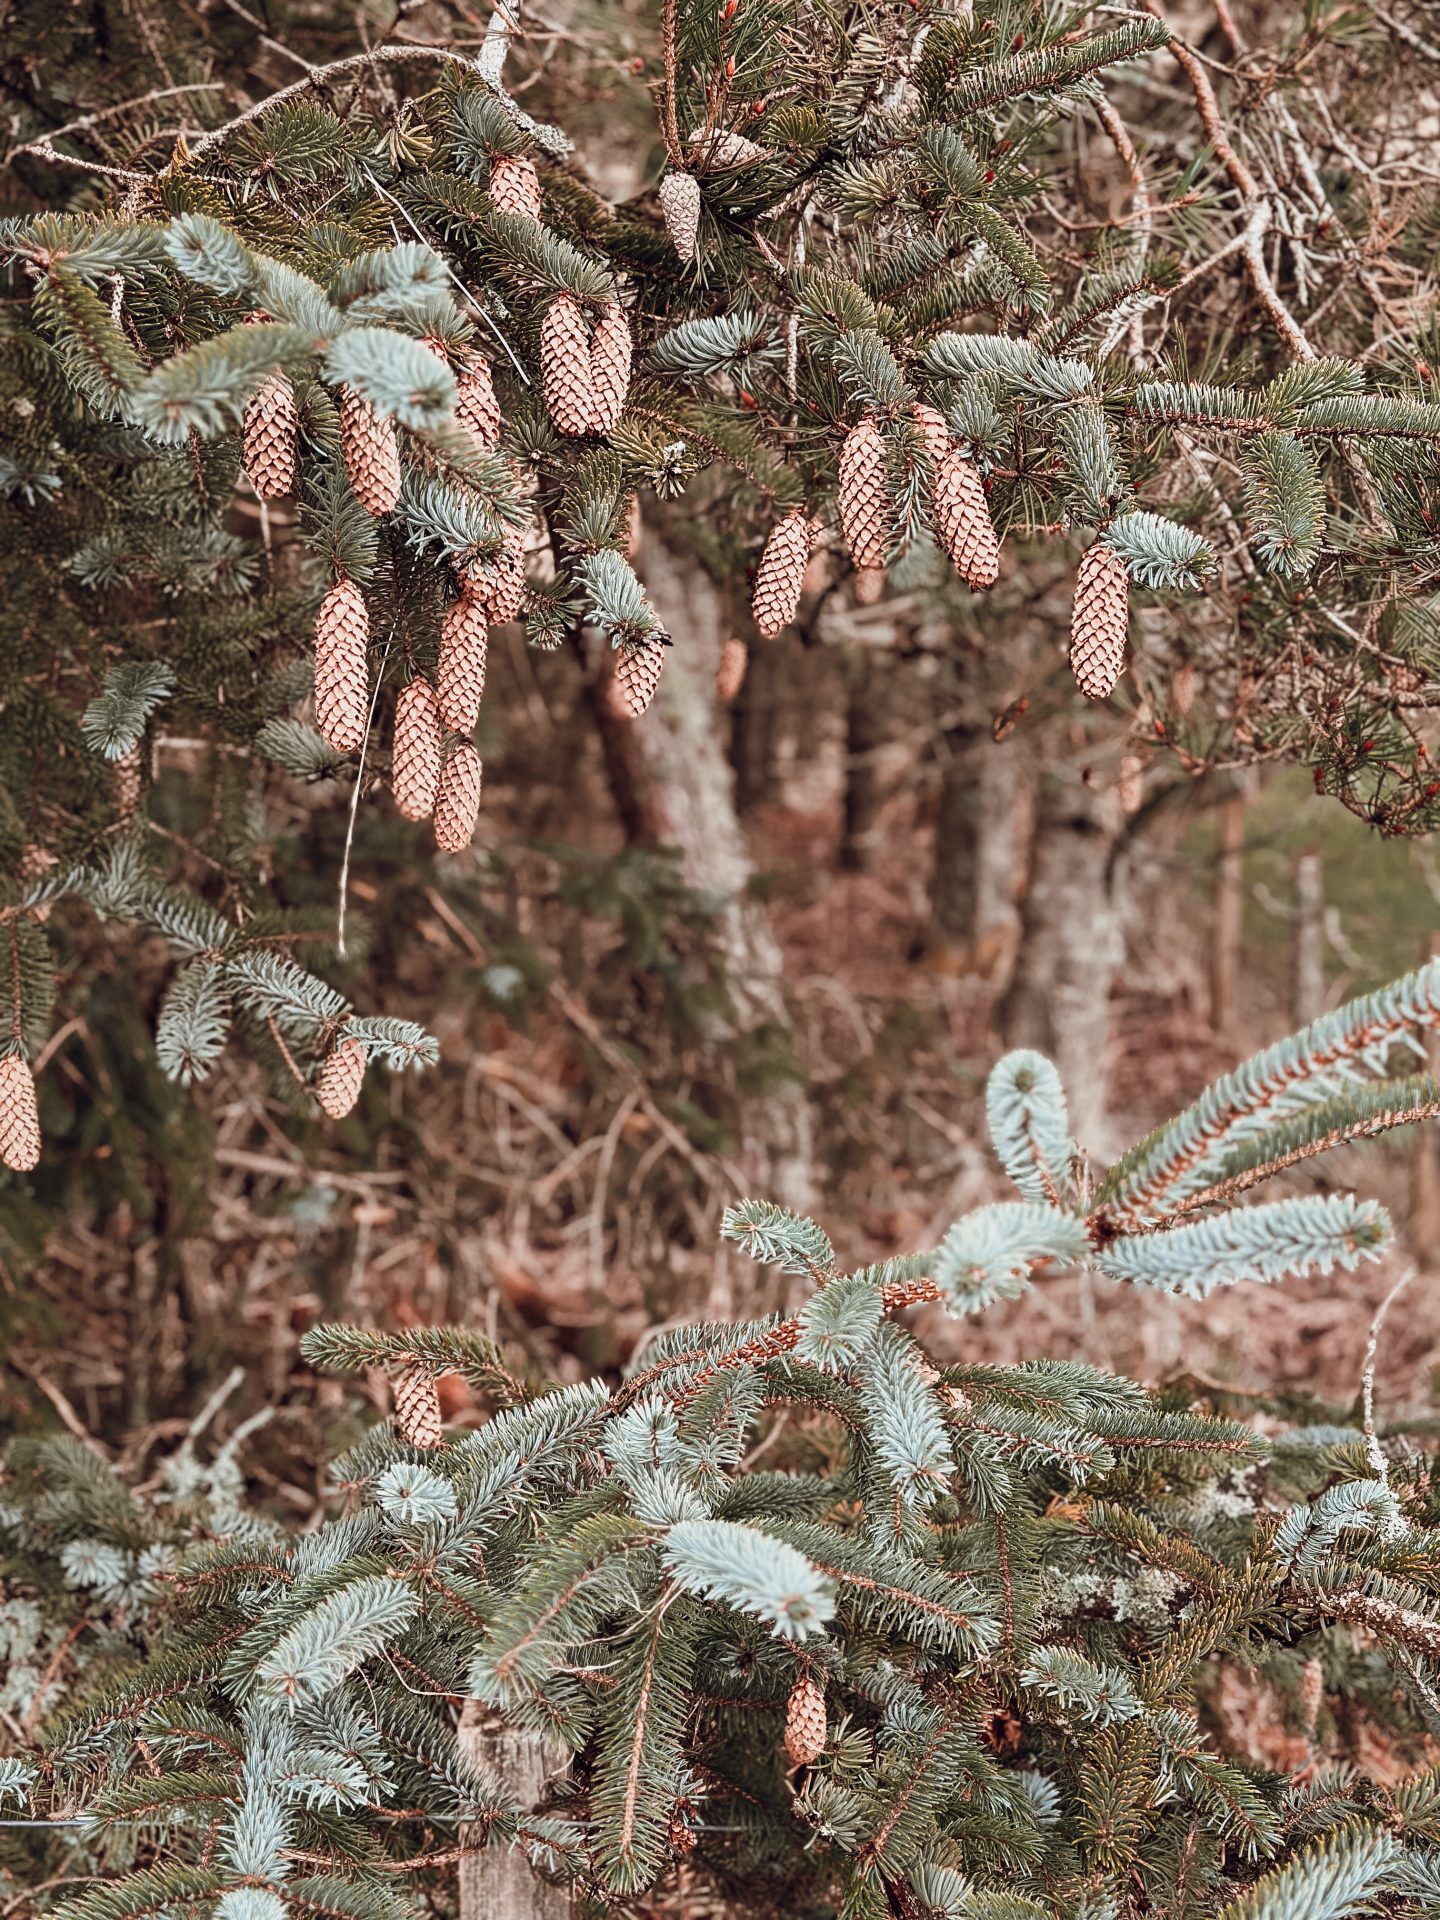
(1071, 947)
(498, 1883)
(1227, 923)
(866, 731)
(973, 911)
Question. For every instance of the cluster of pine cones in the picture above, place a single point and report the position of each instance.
(960, 515)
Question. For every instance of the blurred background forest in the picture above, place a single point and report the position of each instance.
(767, 939)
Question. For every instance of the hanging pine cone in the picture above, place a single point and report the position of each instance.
(962, 520)
(457, 803)
(477, 411)
(416, 1405)
(805, 1723)
(933, 429)
(1312, 1692)
(337, 1085)
(372, 453)
(565, 365)
(460, 677)
(19, 1115)
(415, 755)
(1099, 621)
(342, 640)
(127, 781)
(272, 422)
(863, 499)
(869, 586)
(515, 185)
(730, 674)
(637, 674)
(610, 351)
(680, 204)
(1182, 688)
(781, 573)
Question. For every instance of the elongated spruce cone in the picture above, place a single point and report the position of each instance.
(337, 1086)
(962, 520)
(680, 204)
(565, 365)
(457, 803)
(477, 410)
(730, 674)
(372, 454)
(806, 1727)
(863, 495)
(268, 436)
(342, 666)
(415, 755)
(19, 1115)
(460, 675)
(416, 1405)
(933, 429)
(637, 675)
(497, 582)
(127, 782)
(781, 573)
(1099, 621)
(869, 586)
(610, 354)
(515, 185)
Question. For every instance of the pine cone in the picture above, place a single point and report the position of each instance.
(460, 677)
(19, 1115)
(272, 421)
(415, 755)
(1130, 783)
(1312, 1692)
(781, 573)
(637, 674)
(477, 411)
(869, 586)
(730, 674)
(1099, 621)
(862, 496)
(610, 351)
(337, 1086)
(515, 185)
(805, 1722)
(1182, 688)
(498, 581)
(372, 453)
(342, 639)
(457, 804)
(933, 428)
(680, 204)
(127, 782)
(962, 520)
(416, 1405)
(565, 365)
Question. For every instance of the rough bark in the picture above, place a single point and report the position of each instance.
(498, 1882)
(1071, 947)
(866, 731)
(1228, 918)
(974, 918)
(1309, 951)
(755, 723)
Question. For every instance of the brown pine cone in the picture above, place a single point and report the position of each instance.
(805, 1722)
(416, 1405)
(127, 782)
(477, 410)
(637, 674)
(268, 436)
(781, 573)
(515, 185)
(460, 676)
(337, 1086)
(730, 674)
(962, 520)
(1099, 621)
(342, 668)
(415, 755)
(565, 365)
(862, 495)
(1182, 688)
(610, 351)
(680, 204)
(869, 586)
(372, 453)
(933, 429)
(19, 1115)
(457, 804)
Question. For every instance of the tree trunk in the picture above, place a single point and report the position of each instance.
(1309, 952)
(755, 723)
(1071, 947)
(694, 797)
(1425, 1164)
(973, 914)
(1227, 923)
(865, 734)
(498, 1883)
